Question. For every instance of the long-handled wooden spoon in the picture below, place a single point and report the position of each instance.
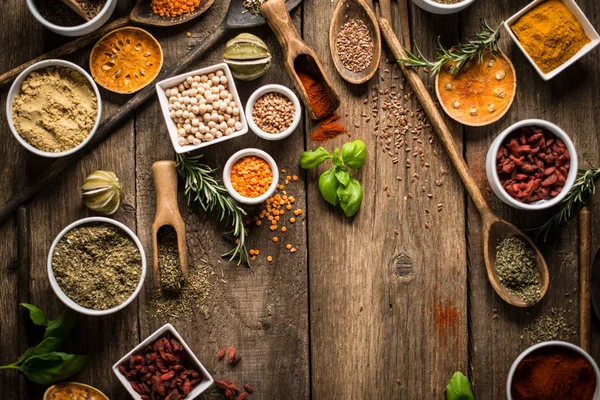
(345, 11)
(75, 6)
(494, 229)
(298, 56)
(167, 213)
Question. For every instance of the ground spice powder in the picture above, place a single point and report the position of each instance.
(554, 372)
(550, 34)
(317, 95)
(328, 129)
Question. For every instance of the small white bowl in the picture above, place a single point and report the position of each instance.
(442, 9)
(204, 384)
(227, 176)
(273, 89)
(176, 80)
(70, 303)
(15, 89)
(557, 343)
(585, 24)
(79, 30)
(494, 180)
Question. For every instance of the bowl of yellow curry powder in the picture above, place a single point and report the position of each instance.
(53, 108)
(552, 34)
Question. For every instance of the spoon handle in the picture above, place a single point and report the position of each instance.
(75, 6)
(436, 120)
(585, 260)
(385, 10)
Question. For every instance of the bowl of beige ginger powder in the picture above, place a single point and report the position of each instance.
(53, 108)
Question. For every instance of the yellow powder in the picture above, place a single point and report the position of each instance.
(550, 34)
(55, 110)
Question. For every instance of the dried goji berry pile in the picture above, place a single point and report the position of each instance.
(533, 164)
(159, 372)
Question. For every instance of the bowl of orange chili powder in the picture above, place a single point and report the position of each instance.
(250, 176)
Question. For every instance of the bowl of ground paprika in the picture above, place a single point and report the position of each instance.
(250, 176)
(551, 371)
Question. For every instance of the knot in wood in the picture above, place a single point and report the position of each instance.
(404, 266)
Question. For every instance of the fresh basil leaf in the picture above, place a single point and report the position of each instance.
(328, 185)
(47, 345)
(350, 197)
(342, 175)
(337, 160)
(48, 368)
(354, 154)
(61, 326)
(37, 316)
(312, 159)
(459, 388)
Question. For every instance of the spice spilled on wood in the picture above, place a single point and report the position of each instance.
(551, 326)
(516, 268)
(354, 45)
(171, 275)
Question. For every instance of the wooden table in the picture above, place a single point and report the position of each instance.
(386, 305)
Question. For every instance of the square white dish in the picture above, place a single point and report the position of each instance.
(204, 384)
(176, 80)
(585, 24)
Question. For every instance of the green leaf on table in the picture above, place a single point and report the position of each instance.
(61, 326)
(354, 154)
(350, 197)
(314, 158)
(459, 388)
(328, 185)
(337, 160)
(48, 368)
(342, 175)
(47, 345)
(37, 316)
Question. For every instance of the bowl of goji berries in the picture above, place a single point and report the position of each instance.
(162, 367)
(532, 165)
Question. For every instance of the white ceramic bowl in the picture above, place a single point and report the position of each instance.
(559, 343)
(494, 180)
(442, 9)
(79, 30)
(227, 176)
(204, 384)
(16, 88)
(273, 89)
(164, 105)
(70, 303)
(585, 24)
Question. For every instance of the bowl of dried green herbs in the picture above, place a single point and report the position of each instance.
(96, 266)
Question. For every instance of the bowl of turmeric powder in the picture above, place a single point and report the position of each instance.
(553, 34)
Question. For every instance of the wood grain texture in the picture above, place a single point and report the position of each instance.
(585, 260)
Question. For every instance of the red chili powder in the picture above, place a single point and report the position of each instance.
(317, 95)
(553, 373)
(328, 129)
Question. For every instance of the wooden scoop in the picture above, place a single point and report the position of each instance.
(167, 213)
(298, 57)
(75, 6)
(494, 229)
(358, 10)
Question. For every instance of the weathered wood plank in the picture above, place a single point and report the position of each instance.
(388, 292)
(263, 310)
(567, 101)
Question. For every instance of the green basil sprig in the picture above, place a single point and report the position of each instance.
(43, 364)
(459, 388)
(336, 185)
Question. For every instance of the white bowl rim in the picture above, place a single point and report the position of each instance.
(70, 303)
(227, 175)
(571, 177)
(273, 88)
(51, 26)
(551, 343)
(202, 386)
(16, 86)
(454, 6)
(162, 97)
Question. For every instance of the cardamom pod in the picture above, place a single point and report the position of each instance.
(102, 192)
(248, 57)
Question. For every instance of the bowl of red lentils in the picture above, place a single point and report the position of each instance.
(273, 112)
(251, 176)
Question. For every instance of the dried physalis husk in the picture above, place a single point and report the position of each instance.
(126, 60)
(102, 192)
(479, 94)
(248, 57)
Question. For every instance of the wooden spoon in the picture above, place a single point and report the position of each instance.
(75, 6)
(298, 56)
(92, 390)
(358, 10)
(167, 213)
(494, 229)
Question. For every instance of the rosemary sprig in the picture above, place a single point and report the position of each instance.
(203, 188)
(577, 197)
(485, 41)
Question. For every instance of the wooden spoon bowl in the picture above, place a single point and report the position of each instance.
(345, 11)
(142, 14)
(92, 390)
